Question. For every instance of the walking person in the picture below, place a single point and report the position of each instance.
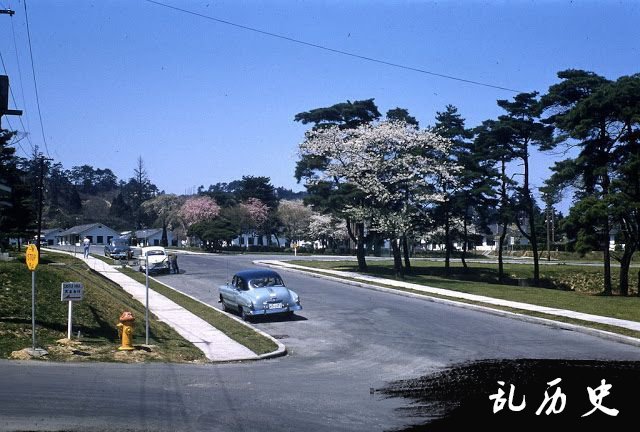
(86, 243)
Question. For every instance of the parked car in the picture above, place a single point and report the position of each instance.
(157, 258)
(258, 292)
(118, 248)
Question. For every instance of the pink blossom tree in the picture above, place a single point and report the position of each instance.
(257, 213)
(198, 209)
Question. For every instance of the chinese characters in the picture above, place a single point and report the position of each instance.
(554, 403)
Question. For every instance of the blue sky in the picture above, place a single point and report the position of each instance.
(203, 102)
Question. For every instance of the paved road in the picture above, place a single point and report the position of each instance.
(346, 341)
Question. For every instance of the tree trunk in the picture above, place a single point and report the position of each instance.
(164, 241)
(360, 252)
(500, 245)
(529, 208)
(405, 248)
(503, 210)
(397, 259)
(625, 264)
(447, 243)
(465, 240)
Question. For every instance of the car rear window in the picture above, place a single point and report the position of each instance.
(266, 282)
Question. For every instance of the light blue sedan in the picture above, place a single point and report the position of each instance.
(258, 292)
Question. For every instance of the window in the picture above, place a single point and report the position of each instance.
(109, 239)
(100, 239)
(266, 282)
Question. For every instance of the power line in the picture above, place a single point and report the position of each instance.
(35, 84)
(24, 99)
(4, 67)
(337, 51)
(17, 141)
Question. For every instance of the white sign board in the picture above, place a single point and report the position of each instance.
(71, 291)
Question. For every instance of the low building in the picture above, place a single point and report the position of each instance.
(97, 233)
(48, 236)
(153, 237)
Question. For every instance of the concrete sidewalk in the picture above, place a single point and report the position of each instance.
(369, 281)
(212, 342)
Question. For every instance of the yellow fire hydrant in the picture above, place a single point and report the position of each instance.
(125, 331)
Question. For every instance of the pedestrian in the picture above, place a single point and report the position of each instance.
(86, 243)
(173, 263)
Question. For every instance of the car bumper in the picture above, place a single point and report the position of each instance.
(258, 312)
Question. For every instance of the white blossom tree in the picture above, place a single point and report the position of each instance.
(393, 163)
(327, 230)
(295, 218)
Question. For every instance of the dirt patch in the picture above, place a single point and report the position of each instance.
(22, 354)
(66, 350)
(138, 355)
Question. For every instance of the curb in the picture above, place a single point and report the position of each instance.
(527, 318)
(281, 351)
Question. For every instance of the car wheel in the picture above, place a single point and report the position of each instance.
(243, 314)
(224, 305)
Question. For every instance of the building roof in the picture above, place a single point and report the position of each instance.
(146, 233)
(48, 231)
(80, 229)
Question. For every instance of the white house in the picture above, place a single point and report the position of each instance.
(250, 239)
(96, 232)
(153, 237)
(49, 235)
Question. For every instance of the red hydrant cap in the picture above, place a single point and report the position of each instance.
(126, 316)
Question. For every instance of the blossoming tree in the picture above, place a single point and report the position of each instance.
(198, 209)
(392, 163)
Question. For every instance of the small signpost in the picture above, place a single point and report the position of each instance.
(71, 291)
(32, 258)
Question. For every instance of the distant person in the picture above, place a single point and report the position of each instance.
(173, 263)
(86, 243)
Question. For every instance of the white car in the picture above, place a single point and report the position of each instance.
(157, 258)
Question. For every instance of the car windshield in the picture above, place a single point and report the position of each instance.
(266, 282)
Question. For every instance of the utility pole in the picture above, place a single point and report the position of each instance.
(4, 86)
(40, 161)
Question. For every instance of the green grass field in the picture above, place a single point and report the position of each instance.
(95, 317)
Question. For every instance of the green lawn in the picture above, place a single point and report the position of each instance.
(95, 317)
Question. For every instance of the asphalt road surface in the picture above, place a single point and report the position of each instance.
(344, 346)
